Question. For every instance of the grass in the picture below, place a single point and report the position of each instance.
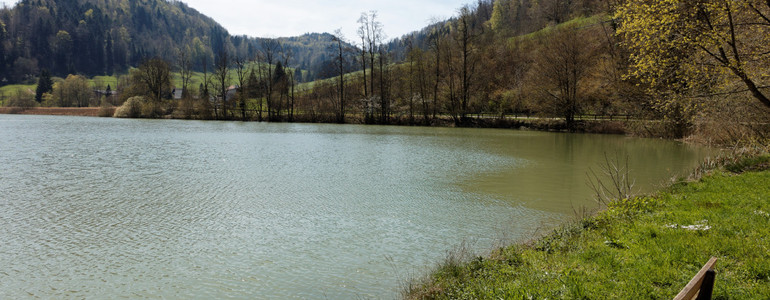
(9, 90)
(577, 22)
(636, 248)
(306, 86)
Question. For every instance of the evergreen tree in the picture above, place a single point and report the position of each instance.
(252, 87)
(298, 75)
(108, 48)
(44, 85)
(280, 74)
(3, 68)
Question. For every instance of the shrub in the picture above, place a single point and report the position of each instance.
(152, 109)
(132, 108)
(22, 99)
(106, 110)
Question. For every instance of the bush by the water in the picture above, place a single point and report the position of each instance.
(106, 110)
(21, 99)
(132, 108)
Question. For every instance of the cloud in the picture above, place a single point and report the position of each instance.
(295, 17)
(263, 18)
(8, 3)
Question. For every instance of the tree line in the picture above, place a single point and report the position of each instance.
(472, 64)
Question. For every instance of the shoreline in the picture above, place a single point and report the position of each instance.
(53, 111)
(595, 126)
(642, 247)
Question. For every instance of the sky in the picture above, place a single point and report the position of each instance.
(280, 18)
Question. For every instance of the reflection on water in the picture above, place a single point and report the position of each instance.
(149, 208)
(554, 177)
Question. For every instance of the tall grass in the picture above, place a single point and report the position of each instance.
(639, 247)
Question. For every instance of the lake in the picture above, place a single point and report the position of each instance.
(110, 208)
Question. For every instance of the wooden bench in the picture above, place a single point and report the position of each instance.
(702, 285)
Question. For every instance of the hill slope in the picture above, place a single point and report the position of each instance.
(95, 37)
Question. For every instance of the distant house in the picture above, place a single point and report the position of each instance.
(176, 94)
(231, 91)
(229, 96)
(107, 93)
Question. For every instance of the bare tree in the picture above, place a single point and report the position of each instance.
(287, 56)
(410, 57)
(416, 62)
(185, 65)
(384, 82)
(339, 38)
(287, 91)
(374, 38)
(435, 45)
(467, 34)
(155, 75)
(563, 65)
(269, 50)
(254, 89)
(222, 78)
(451, 71)
(363, 33)
(261, 87)
(556, 11)
(240, 71)
(205, 94)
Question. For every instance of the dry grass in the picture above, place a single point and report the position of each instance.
(54, 111)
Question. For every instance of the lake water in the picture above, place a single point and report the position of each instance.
(110, 208)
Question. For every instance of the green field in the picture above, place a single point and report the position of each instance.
(646, 247)
(578, 22)
(8, 90)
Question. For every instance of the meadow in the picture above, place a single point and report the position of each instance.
(640, 247)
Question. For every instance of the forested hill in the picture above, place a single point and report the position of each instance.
(95, 37)
(506, 18)
(99, 36)
(315, 52)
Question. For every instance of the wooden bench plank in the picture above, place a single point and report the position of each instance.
(691, 289)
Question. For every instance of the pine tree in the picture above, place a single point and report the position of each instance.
(108, 48)
(280, 74)
(3, 69)
(298, 75)
(252, 87)
(44, 85)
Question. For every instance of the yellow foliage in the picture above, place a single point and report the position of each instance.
(689, 47)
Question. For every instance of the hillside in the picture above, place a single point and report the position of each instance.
(97, 37)
(506, 18)
(314, 52)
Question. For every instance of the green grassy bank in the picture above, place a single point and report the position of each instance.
(642, 248)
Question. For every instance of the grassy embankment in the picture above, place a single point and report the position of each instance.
(645, 247)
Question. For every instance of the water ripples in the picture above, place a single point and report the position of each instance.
(106, 208)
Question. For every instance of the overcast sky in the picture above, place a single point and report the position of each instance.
(278, 18)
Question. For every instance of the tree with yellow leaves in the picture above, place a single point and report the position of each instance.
(684, 45)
